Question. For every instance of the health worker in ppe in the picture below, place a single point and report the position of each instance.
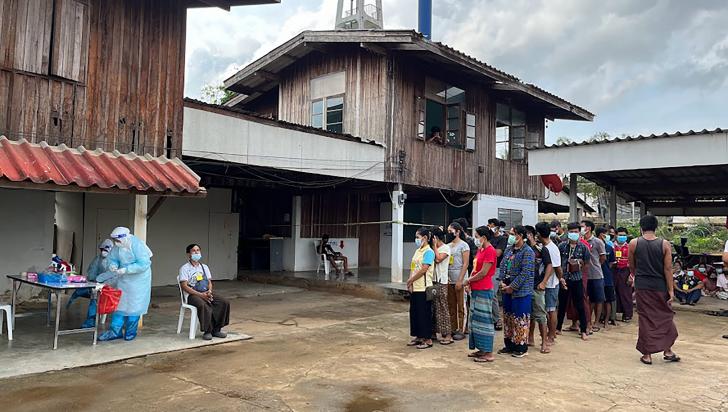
(130, 261)
(99, 265)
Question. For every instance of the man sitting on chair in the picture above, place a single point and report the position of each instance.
(325, 248)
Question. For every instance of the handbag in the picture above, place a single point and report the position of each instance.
(108, 300)
(202, 286)
(430, 291)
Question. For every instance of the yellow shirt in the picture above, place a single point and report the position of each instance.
(423, 282)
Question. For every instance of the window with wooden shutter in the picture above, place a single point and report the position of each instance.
(470, 132)
(30, 22)
(69, 56)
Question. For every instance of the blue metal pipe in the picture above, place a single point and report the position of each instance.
(425, 18)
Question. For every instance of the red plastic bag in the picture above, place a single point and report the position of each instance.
(108, 300)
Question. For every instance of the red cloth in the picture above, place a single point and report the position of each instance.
(487, 255)
(622, 255)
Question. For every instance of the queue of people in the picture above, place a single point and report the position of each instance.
(542, 275)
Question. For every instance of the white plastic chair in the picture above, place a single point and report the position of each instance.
(9, 316)
(323, 259)
(193, 314)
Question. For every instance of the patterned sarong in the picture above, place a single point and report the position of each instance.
(482, 329)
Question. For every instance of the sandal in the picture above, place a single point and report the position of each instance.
(672, 358)
(646, 362)
(545, 350)
(476, 354)
(424, 346)
(596, 328)
(446, 342)
(483, 359)
(414, 342)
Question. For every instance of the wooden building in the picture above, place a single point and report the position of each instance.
(99, 73)
(396, 87)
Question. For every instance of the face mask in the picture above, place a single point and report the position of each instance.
(511, 240)
(719, 271)
(196, 257)
(573, 236)
(449, 237)
(104, 253)
(478, 243)
(418, 242)
(583, 232)
(701, 270)
(494, 230)
(607, 239)
(621, 238)
(691, 273)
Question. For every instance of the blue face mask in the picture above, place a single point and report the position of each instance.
(573, 236)
(607, 239)
(621, 238)
(511, 240)
(418, 242)
(196, 257)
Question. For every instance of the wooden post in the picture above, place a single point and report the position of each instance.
(138, 223)
(573, 199)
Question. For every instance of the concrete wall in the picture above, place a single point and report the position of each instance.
(26, 233)
(69, 219)
(178, 222)
(246, 142)
(486, 207)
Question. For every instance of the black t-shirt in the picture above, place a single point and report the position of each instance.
(543, 259)
(473, 252)
(500, 243)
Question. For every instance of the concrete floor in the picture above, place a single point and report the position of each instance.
(317, 351)
(30, 351)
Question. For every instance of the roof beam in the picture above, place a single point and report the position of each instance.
(374, 48)
(217, 3)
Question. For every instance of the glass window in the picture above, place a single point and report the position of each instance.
(443, 110)
(502, 142)
(512, 217)
(518, 142)
(470, 132)
(332, 118)
(510, 133)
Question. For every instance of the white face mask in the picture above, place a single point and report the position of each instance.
(104, 253)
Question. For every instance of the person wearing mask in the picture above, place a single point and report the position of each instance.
(650, 259)
(457, 271)
(442, 263)
(725, 267)
(558, 232)
(706, 274)
(99, 265)
(687, 288)
(551, 280)
(517, 288)
(473, 250)
(130, 263)
(480, 283)
(623, 280)
(195, 279)
(421, 275)
(677, 269)
(595, 283)
(573, 255)
(607, 269)
(542, 266)
(500, 243)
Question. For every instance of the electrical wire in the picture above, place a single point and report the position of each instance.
(456, 206)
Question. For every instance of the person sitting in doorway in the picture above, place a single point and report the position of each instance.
(687, 288)
(436, 137)
(325, 248)
(195, 279)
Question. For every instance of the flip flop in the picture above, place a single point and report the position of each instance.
(646, 362)
(424, 346)
(672, 358)
(414, 342)
(475, 354)
(482, 359)
(596, 328)
(446, 342)
(547, 350)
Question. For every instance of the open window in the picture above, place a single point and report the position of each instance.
(327, 102)
(441, 116)
(510, 133)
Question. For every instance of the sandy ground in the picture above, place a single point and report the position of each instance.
(315, 351)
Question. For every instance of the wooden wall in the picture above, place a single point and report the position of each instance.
(97, 73)
(362, 68)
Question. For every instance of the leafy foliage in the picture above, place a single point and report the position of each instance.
(216, 94)
(702, 237)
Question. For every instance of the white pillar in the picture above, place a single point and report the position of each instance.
(397, 235)
(573, 199)
(138, 224)
(296, 232)
(476, 218)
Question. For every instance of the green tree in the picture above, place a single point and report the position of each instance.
(216, 94)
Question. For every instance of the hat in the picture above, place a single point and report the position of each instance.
(120, 233)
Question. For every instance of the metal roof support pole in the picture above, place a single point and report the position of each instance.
(573, 199)
(613, 205)
(643, 209)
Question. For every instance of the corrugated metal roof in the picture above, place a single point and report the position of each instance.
(633, 138)
(252, 116)
(24, 162)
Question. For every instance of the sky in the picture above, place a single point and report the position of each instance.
(641, 66)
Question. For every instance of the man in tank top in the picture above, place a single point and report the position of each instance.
(650, 259)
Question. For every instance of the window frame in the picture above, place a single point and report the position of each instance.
(518, 135)
(325, 112)
(451, 124)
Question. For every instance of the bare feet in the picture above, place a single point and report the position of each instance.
(545, 348)
(584, 337)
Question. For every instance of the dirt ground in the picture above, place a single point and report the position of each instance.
(316, 351)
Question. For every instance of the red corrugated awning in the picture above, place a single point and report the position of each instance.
(40, 166)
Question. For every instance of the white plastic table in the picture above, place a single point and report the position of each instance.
(56, 288)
